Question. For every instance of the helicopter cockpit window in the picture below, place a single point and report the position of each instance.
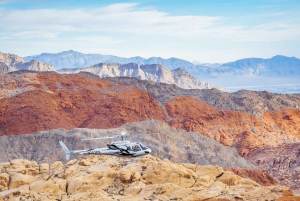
(143, 147)
(136, 148)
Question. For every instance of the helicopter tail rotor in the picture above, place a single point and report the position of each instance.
(66, 150)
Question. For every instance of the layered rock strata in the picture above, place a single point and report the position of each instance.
(149, 178)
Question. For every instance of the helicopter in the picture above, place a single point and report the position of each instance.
(118, 148)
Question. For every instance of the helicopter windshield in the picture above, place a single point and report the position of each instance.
(136, 148)
(143, 147)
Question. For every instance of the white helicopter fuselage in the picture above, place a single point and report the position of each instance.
(120, 148)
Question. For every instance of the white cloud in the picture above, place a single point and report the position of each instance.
(130, 19)
(119, 18)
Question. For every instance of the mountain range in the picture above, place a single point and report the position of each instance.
(277, 66)
(279, 74)
(152, 72)
(74, 59)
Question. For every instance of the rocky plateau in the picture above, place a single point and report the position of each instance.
(149, 178)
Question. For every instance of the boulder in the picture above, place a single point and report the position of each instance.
(17, 180)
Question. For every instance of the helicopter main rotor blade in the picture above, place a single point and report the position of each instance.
(102, 138)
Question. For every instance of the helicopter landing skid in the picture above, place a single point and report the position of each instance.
(124, 160)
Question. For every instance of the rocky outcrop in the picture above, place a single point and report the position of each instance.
(11, 62)
(149, 178)
(152, 72)
(282, 161)
(166, 142)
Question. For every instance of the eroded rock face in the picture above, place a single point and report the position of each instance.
(284, 163)
(147, 178)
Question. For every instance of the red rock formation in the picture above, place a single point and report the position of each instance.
(260, 176)
(239, 129)
(68, 101)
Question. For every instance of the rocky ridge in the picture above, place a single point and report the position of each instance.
(166, 142)
(11, 62)
(252, 102)
(104, 178)
(74, 59)
(152, 72)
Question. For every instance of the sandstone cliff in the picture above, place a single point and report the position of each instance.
(148, 178)
(152, 72)
(11, 62)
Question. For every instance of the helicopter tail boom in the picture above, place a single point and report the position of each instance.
(66, 150)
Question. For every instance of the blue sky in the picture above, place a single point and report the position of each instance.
(205, 31)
